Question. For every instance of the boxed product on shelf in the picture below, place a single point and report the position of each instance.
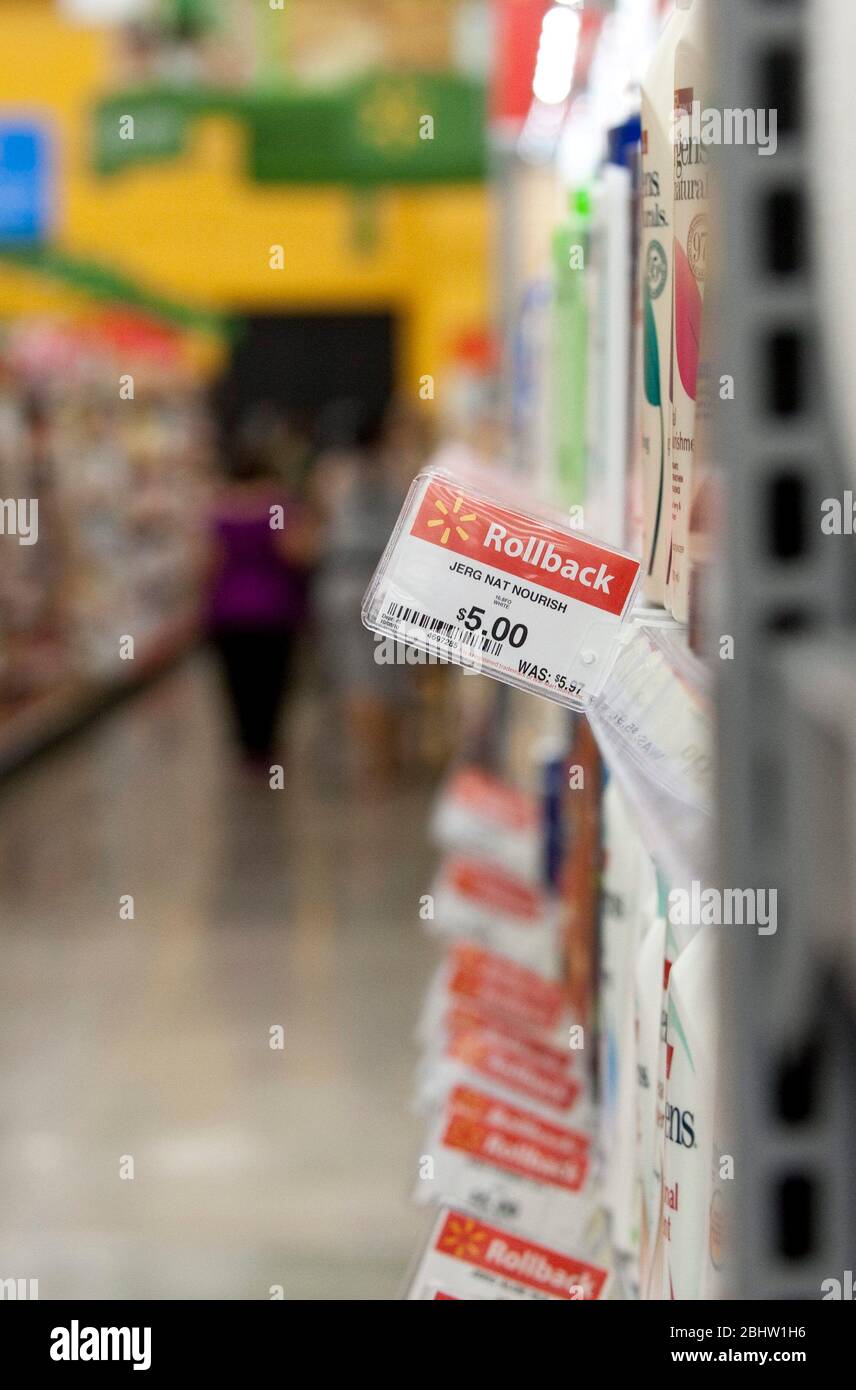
(579, 874)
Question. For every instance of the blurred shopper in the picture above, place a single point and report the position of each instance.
(261, 550)
(359, 497)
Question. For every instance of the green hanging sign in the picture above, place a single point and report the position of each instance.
(151, 124)
(384, 129)
(103, 283)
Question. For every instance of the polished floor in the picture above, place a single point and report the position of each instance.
(149, 1039)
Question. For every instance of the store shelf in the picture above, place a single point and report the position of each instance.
(46, 717)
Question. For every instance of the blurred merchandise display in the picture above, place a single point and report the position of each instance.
(104, 436)
(580, 527)
(571, 1092)
(238, 41)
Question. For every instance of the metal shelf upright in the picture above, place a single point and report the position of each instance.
(786, 702)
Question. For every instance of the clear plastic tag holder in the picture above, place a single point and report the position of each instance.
(473, 578)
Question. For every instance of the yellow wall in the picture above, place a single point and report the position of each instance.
(198, 230)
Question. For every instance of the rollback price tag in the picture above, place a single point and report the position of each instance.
(510, 593)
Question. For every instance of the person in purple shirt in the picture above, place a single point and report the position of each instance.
(257, 597)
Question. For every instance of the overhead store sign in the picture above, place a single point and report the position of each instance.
(25, 182)
(383, 129)
(142, 128)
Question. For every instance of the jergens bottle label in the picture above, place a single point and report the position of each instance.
(692, 194)
(648, 1001)
(676, 939)
(655, 263)
(690, 1242)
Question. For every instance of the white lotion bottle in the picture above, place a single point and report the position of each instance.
(691, 224)
(657, 205)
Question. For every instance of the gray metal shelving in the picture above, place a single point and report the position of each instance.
(786, 703)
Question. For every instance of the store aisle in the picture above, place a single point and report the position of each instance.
(149, 1038)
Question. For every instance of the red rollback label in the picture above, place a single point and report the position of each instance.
(480, 881)
(503, 1149)
(496, 1113)
(468, 1239)
(501, 984)
(491, 798)
(512, 1066)
(525, 548)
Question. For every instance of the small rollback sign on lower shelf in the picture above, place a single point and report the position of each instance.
(466, 1258)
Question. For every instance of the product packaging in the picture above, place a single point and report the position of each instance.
(610, 307)
(531, 384)
(692, 1197)
(579, 877)
(648, 992)
(692, 201)
(570, 349)
(628, 901)
(656, 252)
(625, 1197)
(521, 596)
(677, 937)
(467, 1259)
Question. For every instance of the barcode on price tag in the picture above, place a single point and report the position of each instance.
(398, 616)
(523, 598)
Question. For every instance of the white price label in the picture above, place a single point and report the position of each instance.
(521, 599)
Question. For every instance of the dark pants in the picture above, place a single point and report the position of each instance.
(255, 664)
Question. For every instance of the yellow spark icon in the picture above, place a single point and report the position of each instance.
(436, 521)
(464, 1238)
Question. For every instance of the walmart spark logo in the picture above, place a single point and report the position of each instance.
(463, 1238)
(446, 520)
